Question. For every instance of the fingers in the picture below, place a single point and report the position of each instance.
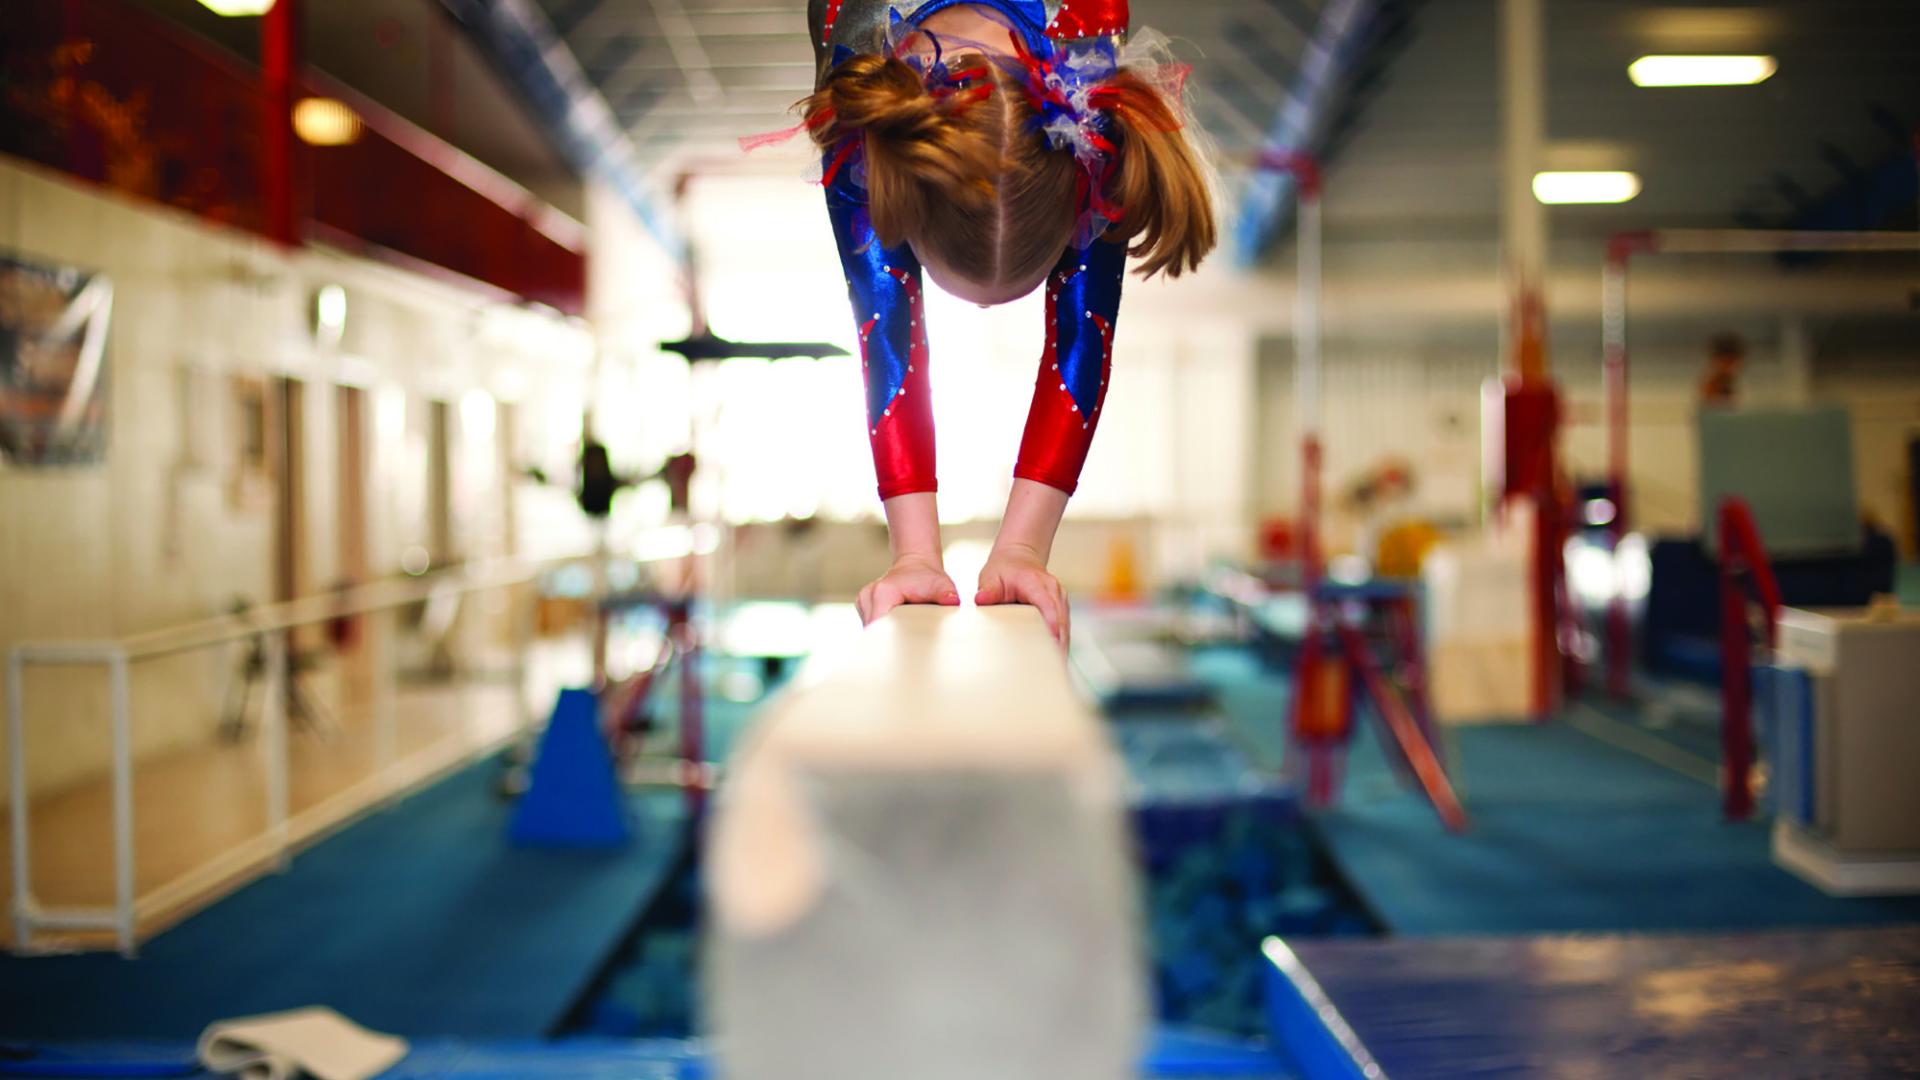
(886, 597)
(992, 591)
(1042, 591)
(887, 593)
(1048, 599)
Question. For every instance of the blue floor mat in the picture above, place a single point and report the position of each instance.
(1825, 1003)
(1174, 1054)
(1568, 833)
(418, 920)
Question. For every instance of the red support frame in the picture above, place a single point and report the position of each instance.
(280, 64)
(1743, 562)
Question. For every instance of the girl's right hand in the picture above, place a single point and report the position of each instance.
(913, 579)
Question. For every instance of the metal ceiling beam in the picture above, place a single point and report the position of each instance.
(688, 53)
(571, 14)
(516, 36)
(613, 54)
(1301, 123)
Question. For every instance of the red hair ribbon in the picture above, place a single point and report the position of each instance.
(1089, 18)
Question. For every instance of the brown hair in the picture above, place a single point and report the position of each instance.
(966, 179)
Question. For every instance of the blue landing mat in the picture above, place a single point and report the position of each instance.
(1568, 833)
(1834, 1003)
(418, 920)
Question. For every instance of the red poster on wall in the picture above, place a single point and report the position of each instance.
(53, 363)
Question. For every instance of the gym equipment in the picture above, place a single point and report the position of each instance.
(573, 799)
(1743, 560)
(1621, 249)
(919, 867)
(1843, 746)
(301, 707)
(629, 702)
(1333, 652)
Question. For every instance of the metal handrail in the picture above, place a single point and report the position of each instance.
(302, 611)
(268, 625)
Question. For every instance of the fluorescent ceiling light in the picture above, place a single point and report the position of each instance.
(325, 122)
(1556, 188)
(238, 7)
(1701, 70)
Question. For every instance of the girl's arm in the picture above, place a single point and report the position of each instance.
(888, 309)
(1083, 301)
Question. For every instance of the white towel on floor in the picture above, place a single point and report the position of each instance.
(315, 1041)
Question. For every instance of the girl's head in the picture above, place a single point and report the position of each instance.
(963, 174)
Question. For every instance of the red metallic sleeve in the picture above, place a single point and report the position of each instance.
(1083, 302)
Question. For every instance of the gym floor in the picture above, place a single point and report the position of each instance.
(1577, 828)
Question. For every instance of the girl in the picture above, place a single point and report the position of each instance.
(1000, 145)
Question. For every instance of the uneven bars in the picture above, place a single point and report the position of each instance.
(1621, 248)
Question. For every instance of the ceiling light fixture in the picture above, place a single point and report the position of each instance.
(238, 7)
(1562, 188)
(325, 122)
(1701, 70)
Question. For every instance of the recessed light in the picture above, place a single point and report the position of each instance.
(238, 7)
(1560, 188)
(1701, 70)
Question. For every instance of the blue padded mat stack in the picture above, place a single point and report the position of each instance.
(1804, 1003)
(650, 988)
(1228, 863)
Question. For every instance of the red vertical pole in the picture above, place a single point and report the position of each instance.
(1310, 566)
(1736, 695)
(280, 63)
(72, 33)
(693, 767)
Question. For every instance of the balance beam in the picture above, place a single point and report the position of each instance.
(918, 868)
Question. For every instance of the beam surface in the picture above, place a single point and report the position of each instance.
(918, 868)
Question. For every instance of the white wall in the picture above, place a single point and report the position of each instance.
(156, 535)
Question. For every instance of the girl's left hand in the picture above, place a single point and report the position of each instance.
(1016, 574)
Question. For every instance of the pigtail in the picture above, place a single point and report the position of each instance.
(1165, 204)
(918, 153)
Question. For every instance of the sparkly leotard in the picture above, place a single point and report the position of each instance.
(1082, 292)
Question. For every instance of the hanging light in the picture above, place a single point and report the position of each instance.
(1701, 70)
(323, 121)
(1559, 188)
(234, 8)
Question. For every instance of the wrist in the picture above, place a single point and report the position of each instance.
(913, 527)
(1017, 548)
(919, 560)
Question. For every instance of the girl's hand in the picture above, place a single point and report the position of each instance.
(1017, 574)
(913, 579)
